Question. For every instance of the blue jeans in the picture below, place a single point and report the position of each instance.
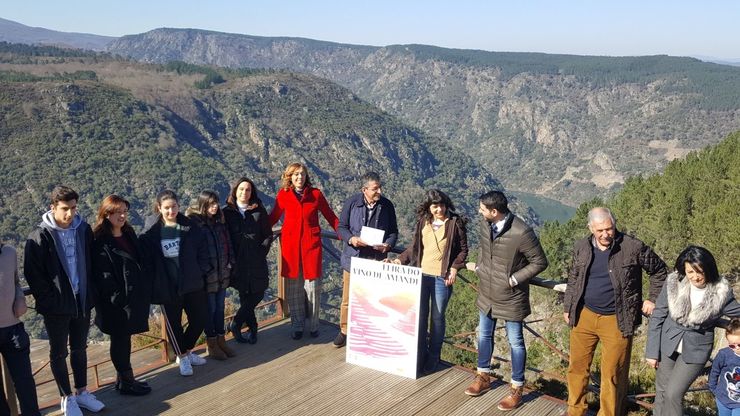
(434, 291)
(515, 335)
(215, 322)
(723, 410)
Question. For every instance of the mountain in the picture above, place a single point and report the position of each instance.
(566, 127)
(14, 32)
(104, 125)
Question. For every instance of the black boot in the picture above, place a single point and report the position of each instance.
(252, 336)
(128, 385)
(236, 331)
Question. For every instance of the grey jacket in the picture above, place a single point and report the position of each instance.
(674, 319)
(516, 252)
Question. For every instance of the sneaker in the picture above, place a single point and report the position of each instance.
(185, 368)
(70, 407)
(196, 359)
(87, 400)
(340, 341)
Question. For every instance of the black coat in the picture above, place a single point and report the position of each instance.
(251, 237)
(351, 221)
(193, 260)
(123, 286)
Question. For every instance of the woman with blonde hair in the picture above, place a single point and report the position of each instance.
(300, 244)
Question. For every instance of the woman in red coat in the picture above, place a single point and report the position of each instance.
(300, 245)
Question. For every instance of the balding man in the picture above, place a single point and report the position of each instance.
(602, 303)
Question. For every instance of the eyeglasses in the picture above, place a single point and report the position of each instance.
(733, 346)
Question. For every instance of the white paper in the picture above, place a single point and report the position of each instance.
(372, 236)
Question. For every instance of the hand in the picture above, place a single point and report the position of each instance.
(451, 277)
(566, 316)
(357, 242)
(383, 248)
(651, 361)
(648, 307)
(19, 307)
(470, 266)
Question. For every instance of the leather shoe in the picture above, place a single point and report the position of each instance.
(314, 334)
(511, 401)
(481, 384)
(297, 335)
(236, 331)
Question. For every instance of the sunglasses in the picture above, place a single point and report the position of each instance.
(733, 346)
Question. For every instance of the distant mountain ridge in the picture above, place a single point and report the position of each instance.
(14, 32)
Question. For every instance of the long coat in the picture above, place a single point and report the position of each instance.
(300, 242)
(123, 286)
(251, 237)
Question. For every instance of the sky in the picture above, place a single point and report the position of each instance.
(615, 28)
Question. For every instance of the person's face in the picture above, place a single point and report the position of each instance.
(438, 211)
(244, 193)
(169, 209)
(298, 178)
(213, 209)
(118, 217)
(372, 191)
(489, 215)
(64, 212)
(734, 341)
(695, 275)
(603, 231)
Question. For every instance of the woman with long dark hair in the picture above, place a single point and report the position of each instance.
(121, 281)
(251, 236)
(206, 212)
(180, 264)
(681, 328)
(440, 247)
(300, 244)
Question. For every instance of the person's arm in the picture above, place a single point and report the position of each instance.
(391, 234)
(716, 370)
(277, 211)
(655, 328)
(462, 240)
(343, 229)
(328, 213)
(531, 249)
(657, 270)
(570, 287)
(19, 303)
(266, 236)
(37, 276)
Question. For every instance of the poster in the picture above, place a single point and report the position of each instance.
(383, 322)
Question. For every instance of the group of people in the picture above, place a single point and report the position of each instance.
(185, 262)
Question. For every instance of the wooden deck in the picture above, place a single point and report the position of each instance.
(280, 376)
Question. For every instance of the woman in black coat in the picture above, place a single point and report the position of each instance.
(251, 236)
(123, 288)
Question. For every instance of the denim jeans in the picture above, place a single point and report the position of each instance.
(515, 335)
(215, 322)
(434, 292)
(15, 348)
(723, 410)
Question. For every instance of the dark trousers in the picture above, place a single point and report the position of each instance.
(120, 351)
(247, 302)
(195, 305)
(215, 321)
(15, 348)
(73, 329)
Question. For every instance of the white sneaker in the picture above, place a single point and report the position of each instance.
(87, 400)
(185, 368)
(70, 407)
(196, 359)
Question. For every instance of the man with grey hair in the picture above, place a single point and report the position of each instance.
(603, 303)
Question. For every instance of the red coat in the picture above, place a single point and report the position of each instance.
(301, 236)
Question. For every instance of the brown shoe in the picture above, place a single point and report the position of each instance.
(213, 350)
(511, 401)
(221, 342)
(481, 384)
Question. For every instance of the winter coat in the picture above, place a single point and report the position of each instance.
(194, 261)
(300, 240)
(628, 257)
(516, 252)
(123, 286)
(674, 319)
(351, 221)
(456, 249)
(220, 253)
(46, 276)
(251, 237)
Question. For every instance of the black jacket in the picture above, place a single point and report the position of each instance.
(251, 237)
(193, 260)
(221, 257)
(351, 221)
(123, 286)
(49, 283)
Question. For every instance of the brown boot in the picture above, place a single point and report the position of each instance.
(213, 350)
(221, 341)
(481, 384)
(511, 401)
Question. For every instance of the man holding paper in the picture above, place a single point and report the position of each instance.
(369, 230)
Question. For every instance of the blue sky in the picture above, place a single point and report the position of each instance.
(681, 28)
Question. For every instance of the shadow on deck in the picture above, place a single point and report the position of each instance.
(281, 376)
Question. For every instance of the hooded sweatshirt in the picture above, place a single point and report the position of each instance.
(68, 243)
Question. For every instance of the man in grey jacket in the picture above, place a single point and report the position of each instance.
(510, 255)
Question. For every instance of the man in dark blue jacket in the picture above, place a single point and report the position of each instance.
(365, 209)
(57, 266)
